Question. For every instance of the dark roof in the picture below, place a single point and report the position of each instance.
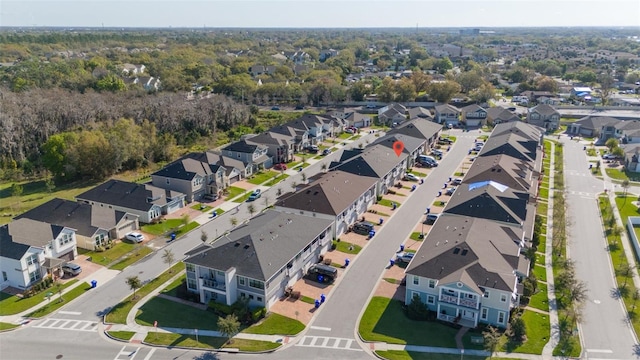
(84, 218)
(227, 162)
(506, 170)
(510, 144)
(544, 109)
(241, 146)
(187, 168)
(472, 108)
(477, 252)
(528, 131)
(489, 200)
(418, 128)
(446, 108)
(263, 246)
(270, 138)
(596, 122)
(332, 193)
(500, 114)
(33, 233)
(419, 112)
(374, 161)
(8, 248)
(129, 195)
(410, 143)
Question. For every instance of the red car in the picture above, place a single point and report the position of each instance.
(280, 167)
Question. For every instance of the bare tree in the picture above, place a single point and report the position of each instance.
(626, 270)
(252, 209)
(168, 258)
(204, 236)
(234, 221)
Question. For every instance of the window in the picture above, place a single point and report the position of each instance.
(484, 313)
(66, 238)
(191, 284)
(34, 275)
(33, 259)
(501, 317)
(431, 299)
(243, 295)
(256, 284)
(4, 276)
(503, 298)
(191, 267)
(241, 281)
(259, 298)
(416, 280)
(250, 297)
(486, 294)
(432, 284)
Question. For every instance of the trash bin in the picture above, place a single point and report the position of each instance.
(394, 206)
(346, 262)
(428, 210)
(94, 283)
(449, 179)
(214, 214)
(421, 181)
(444, 186)
(413, 187)
(317, 303)
(391, 262)
(439, 193)
(322, 298)
(320, 278)
(381, 220)
(173, 236)
(402, 247)
(371, 233)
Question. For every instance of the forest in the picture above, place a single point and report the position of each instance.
(69, 109)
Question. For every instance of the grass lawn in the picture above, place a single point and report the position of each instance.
(622, 175)
(243, 198)
(347, 247)
(118, 314)
(540, 272)
(209, 342)
(543, 208)
(539, 300)
(388, 203)
(262, 176)
(11, 304)
(233, 191)
(55, 304)
(172, 289)
(409, 355)
(540, 259)
(7, 326)
(276, 324)
(108, 256)
(131, 258)
(417, 236)
(538, 332)
(162, 227)
(626, 207)
(173, 314)
(543, 242)
(385, 321)
(277, 179)
(122, 335)
(201, 207)
(345, 135)
(419, 174)
(307, 299)
(544, 193)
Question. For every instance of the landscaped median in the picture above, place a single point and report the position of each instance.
(57, 302)
(208, 342)
(12, 304)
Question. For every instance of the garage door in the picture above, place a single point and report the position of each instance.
(128, 227)
(234, 179)
(68, 256)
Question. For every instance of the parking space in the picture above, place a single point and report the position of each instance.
(88, 269)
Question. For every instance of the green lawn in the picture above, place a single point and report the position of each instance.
(538, 332)
(543, 242)
(11, 304)
(208, 342)
(276, 324)
(345, 136)
(7, 326)
(122, 335)
(233, 191)
(617, 174)
(276, 180)
(131, 258)
(119, 249)
(626, 207)
(540, 272)
(347, 247)
(418, 174)
(262, 176)
(539, 300)
(162, 227)
(55, 303)
(172, 314)
(544, 193)
(118, 314)
(201, 207)
(388, 203)
(543, 208)
(540, 259)
(417, 236)
(243, 198)
(385, 321)
(172, 289)
(410, 355)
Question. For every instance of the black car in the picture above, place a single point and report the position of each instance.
(313, 149)
(363, 228)
(445, 140)
(322, 273)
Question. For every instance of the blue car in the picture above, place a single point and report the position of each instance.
(255, 195)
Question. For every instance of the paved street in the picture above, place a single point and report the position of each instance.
(605, 332)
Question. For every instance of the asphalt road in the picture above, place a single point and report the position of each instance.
(604, 331)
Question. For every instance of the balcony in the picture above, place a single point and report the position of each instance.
(470, 303)
(457, 320)
(213, 284)
(449, 299)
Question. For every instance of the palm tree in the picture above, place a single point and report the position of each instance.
(234, 221)
(134, 284)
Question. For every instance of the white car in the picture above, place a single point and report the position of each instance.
(135, 237)
(411, 177)
(609, 156)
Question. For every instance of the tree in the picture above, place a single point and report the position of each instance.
(184, 219)
(606, 82)
(168, 258)
(134, 284)
(16, 191)
(443, 91)
(578, 292)
(358, 91)
(443, 65)
(417, 310)
(386, 90)
(469, 80)
(545, 83)
(420, 80)
(635, 297)
(626, 270)
(204, 236)
(625, 185)
(252, 209)
(484, 93)
(49, 184)
(233, 221)
(491, 339)
(111, 83)
(611, 144)
(405, 90)
(518, 329)
(229, 326)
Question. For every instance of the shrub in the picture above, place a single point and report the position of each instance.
(417, 310)
(518, 329)
(258, 314)
(220, 309)
(529, 286)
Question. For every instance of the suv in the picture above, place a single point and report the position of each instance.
(312, 148)
(322, 273)
(255, 195)
(71, 269)
(363, 228)
(431, 218)
(445, 140)
(404, 257)
(136, 237)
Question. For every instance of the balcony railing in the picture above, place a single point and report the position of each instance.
(462, 302)
(449, 299)
(469, 303)
(213, 284)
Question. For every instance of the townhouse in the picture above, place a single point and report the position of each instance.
(192, 177)
(258, 259)
(473, 115)
(254, 157)
(498, 115)
(544, 116)
(447, 115)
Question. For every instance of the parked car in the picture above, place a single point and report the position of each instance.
(136, 237)
(609, 156)
(450, 191)
(211, 197)
(72, 269)
(312, 148)
(255, 195)
(299, 107)
(275, 108)
(280, 166)
(349, 131)
(411, 177)
(456, 181)
(322, 273)
(445, 140)
(326, 152)
(404, 257)
(431, 218)
(436, 152)
(363, 228)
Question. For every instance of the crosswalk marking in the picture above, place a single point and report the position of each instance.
(129, 352)
(65, 324)
(328, 343)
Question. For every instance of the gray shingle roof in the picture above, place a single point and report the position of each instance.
(33, 233)
(478, 252)
(84, 218)
(332, 194)
(187, 168)
(241, 146)
(374, 161)
(260, 248)
(510, 144)
(129, 195)
(8, 248)
(488, 202)
(528, 131)
(503, 169)
(544, 109)
(418, 128)
(596, 122)
(419, 112)
(410, 143)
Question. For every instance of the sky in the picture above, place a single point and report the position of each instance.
(319, 13)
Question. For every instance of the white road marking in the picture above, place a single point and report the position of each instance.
(70, 312)
(320, 328)
(605, 351)
(327, 342)
(61, 324)
(127, 354)
(148, 357)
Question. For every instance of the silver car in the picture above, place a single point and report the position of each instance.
(72, 269)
